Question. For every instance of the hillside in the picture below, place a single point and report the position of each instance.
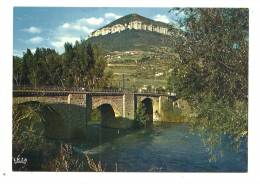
(138, 57)
(130, 40)
(136, 17)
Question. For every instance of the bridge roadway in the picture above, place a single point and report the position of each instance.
(30, 93)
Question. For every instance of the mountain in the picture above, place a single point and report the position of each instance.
(130, 40)
(136, 17)
(131, 32)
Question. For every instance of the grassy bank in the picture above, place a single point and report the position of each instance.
(42, 133)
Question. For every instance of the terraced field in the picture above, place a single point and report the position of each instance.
(139, 69)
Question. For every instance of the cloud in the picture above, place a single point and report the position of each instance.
(92, 21)
(161, 18)
(33, 50)
(59, 42)
(72, 31)
(65, 25)
(81, 26)
(33, 30)
(76, 27)
(112, 16)
(95, 21)
(69, 32)
(36, 40)
(77, 30)
(87, 22)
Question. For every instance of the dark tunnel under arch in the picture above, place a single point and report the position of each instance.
(147, 110)
(107, 114)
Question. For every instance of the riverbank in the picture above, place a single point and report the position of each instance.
(43, 140)
(163, 147)
(65, 125)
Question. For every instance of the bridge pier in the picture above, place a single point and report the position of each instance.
(124, 106)
(160, 105)
(175, 103)
(88, 106)
(69, 98)
(135, 106)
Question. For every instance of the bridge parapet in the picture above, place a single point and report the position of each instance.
(58, 89)
(21, 93)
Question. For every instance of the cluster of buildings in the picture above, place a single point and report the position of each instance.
(138, 25)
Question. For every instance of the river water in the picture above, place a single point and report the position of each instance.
(168, 148)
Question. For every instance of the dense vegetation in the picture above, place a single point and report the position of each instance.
(130, 40)
(38, 129)
(212, 71)
(29, 135)
(81, 65)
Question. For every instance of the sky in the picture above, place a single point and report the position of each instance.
(52, 27)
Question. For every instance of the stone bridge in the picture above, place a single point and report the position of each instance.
(124, 105)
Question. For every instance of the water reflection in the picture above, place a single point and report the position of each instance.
(166, 148)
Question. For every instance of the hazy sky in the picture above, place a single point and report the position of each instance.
(52, 27)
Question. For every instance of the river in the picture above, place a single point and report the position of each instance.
(166, 148)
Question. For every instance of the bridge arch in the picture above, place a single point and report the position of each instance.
(147, 110)
(114, 102)
(107, 114)
(156, 104)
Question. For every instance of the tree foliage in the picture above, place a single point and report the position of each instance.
(82, 65)
(212, 70)
(17, 70)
